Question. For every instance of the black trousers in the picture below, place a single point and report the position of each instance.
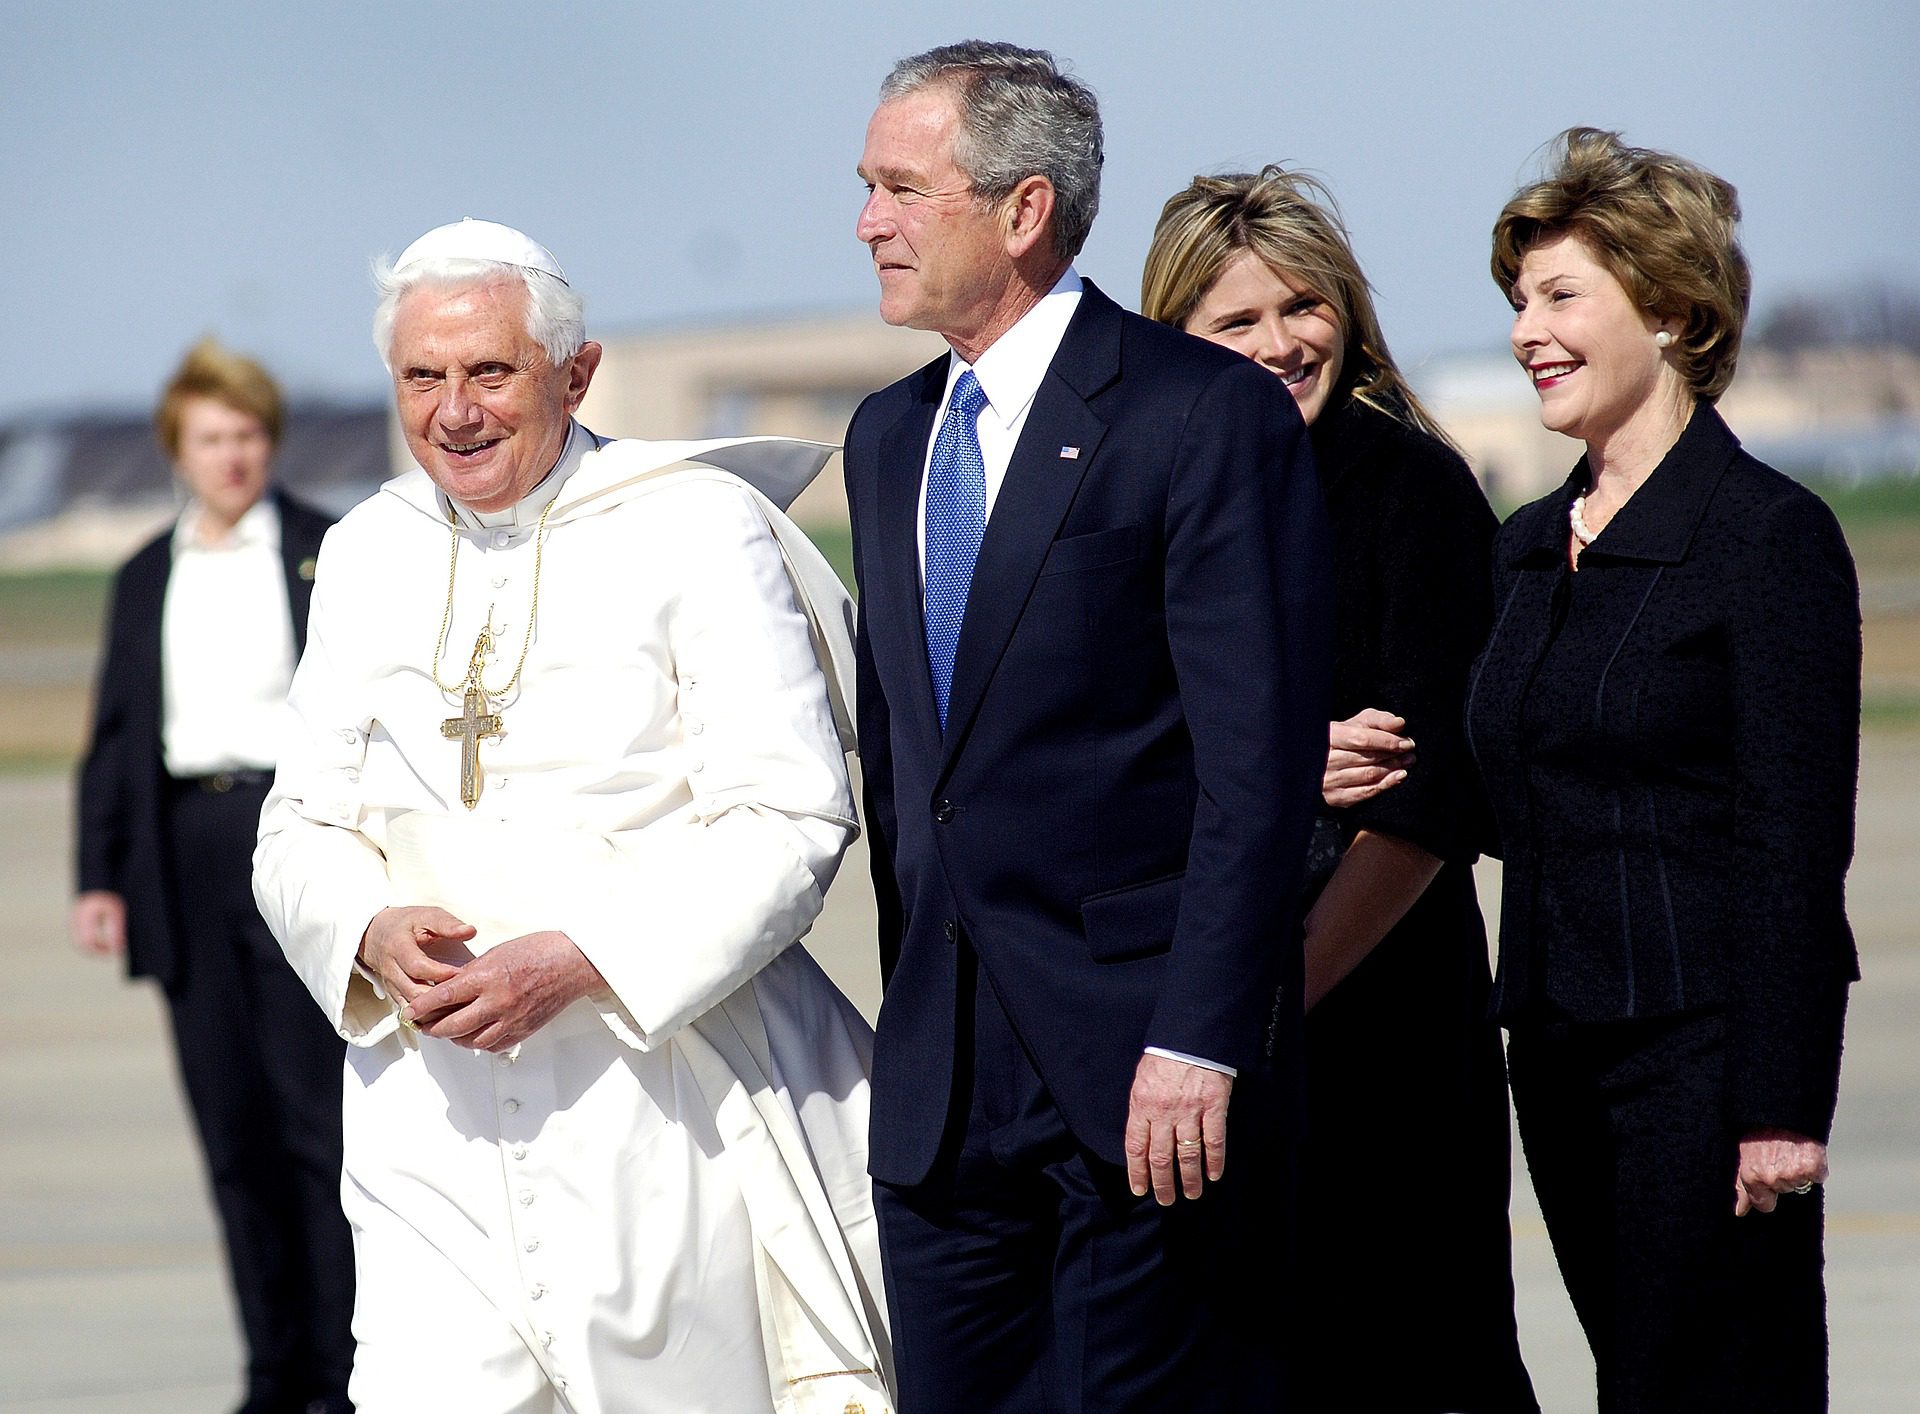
(1405, 1241)
(1024, 1276)
(1687, 1308)
(262, 1071)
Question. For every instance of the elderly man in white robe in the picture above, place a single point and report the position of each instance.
(564, 783)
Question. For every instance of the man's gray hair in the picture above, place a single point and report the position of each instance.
(556, 316)
(1019, 117)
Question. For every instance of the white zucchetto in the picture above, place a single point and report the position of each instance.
(469, 239)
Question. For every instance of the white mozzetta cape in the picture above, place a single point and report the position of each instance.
(670, 792)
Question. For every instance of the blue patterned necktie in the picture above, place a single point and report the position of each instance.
(956, 522)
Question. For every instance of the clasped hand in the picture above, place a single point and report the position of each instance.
(487, 1003)
(1176, 1128)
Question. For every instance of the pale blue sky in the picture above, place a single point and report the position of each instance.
(168, 170)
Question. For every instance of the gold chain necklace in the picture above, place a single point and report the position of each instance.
(485, 640)
(477, 721)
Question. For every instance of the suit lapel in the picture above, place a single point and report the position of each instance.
(902, 462)
(1034, 498)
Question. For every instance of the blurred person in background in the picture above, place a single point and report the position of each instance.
(1398, 1040)
(206, 625)
(1667, 718)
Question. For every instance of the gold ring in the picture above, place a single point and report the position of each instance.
(1186, 1143)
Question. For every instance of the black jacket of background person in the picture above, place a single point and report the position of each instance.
(1117, 814)
(1671, 740)
(122, 782)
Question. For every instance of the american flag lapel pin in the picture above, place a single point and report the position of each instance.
(1069, 454)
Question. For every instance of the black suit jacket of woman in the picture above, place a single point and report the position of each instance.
(1670, 739)
(122, 846)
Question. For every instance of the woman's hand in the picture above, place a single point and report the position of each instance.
(1774, 1162)
(1366, 754)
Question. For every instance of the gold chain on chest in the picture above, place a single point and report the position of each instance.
(485, 639)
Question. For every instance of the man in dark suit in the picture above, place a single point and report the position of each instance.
(207, 623)
(1094, 659)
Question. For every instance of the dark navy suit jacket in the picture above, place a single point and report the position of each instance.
(121, 846)
(1115, 817)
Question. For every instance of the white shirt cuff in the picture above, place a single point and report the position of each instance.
(1192, 1060)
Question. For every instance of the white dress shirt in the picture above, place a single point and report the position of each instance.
(1010, 372)
(226, 645)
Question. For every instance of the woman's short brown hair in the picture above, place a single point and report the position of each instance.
(211, 371)
(1661, 225)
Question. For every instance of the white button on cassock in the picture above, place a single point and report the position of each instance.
(509, 1105)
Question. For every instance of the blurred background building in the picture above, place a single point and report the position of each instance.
(1831, 397)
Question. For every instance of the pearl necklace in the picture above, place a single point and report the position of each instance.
(1579, 521)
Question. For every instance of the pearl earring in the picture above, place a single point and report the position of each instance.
(1662, 339)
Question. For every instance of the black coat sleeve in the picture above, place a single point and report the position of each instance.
(1432, 557)
(104, 808)
(1795, 646)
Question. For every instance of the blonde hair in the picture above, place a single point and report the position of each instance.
(1290, 221)
(1660, 225)
(212, 371)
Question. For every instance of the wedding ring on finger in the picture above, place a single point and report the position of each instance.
(1187, 1146)
(1806, 1187)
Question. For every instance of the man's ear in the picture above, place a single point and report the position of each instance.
(580, 370)
(1028, 215)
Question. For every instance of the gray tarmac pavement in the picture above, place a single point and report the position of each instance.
(113, 1299)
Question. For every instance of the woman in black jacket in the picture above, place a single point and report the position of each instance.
(1405, 1279)
(1667, 719)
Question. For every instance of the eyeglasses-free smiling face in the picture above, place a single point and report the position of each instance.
(1278, 323)
(1590, 351)
(484, 410)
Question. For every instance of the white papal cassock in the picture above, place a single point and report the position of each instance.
(658, 1202)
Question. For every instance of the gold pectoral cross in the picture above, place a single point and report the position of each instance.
(473, 723)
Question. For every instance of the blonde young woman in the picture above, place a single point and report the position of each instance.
(1667, 718)
(1405, 1274)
